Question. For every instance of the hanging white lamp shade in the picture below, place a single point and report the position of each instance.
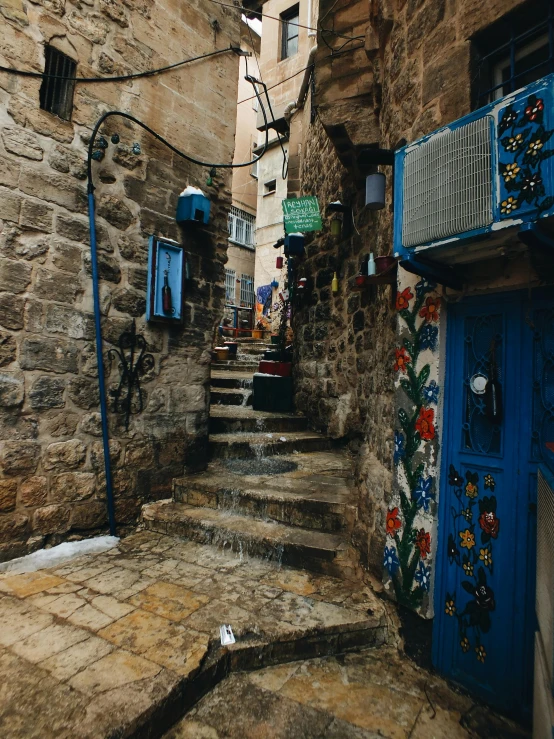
(375, 191)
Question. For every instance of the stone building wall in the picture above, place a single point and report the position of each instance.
(51, 462)
(408, 73)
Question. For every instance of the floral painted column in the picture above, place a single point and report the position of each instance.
(411, 517)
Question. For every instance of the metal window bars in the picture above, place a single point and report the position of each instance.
(247, 296)
(242, 226)
(230, 282)
(511, 53)
(56, 91)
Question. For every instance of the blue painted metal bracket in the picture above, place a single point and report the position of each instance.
(432, 271)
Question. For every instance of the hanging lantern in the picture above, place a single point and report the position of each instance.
(336, 225)
(375, 191)
(279, 262)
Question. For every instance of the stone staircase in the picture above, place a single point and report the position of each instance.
(274, 488)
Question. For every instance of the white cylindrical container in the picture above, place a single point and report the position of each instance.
(375, 191)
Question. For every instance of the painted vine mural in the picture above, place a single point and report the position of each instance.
(524, 138)
(406, 556)
(475, 559)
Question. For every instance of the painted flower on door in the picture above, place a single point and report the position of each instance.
(408, 551)
(474, 618)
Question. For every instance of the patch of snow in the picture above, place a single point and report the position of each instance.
(296, 233)
(56, 555)
(282, 438)
(264, 374)
(190, 190)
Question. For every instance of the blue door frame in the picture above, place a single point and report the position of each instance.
(484, 595)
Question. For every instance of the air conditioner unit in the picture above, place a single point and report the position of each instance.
(484, 178)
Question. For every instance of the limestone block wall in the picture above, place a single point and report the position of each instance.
(51, 464)
(412, 76)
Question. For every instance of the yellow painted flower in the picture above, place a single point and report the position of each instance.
(508, 205)
(465, 645)
(511, 171)
(467, 539)
(514, 142)
(450, 608)
(468, 568)
(481, 654)
(534, 147)
(485, 555)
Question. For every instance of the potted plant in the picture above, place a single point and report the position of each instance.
(258, 332)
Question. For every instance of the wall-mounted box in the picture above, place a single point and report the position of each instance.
(166, 278)
(294, 244)
(193, 205)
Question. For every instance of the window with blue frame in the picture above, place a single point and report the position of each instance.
(513, 52)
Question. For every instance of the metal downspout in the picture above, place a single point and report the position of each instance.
(99, 360)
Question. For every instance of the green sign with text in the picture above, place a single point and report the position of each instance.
(301, 215)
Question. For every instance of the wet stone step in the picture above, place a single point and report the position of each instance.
(265, 505)
(234, 366)
(230, 396)
(244, 446)
(232, 379)
(223, 421)
(288, 545)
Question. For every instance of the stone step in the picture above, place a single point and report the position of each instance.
(227, 420)
(248, 446)
(289, 545)
(315, 502)
(232, 379)
(232, 365)
(248, 349)
(231, 396)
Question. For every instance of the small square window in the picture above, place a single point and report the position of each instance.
(270, 187)
(56, 91)
(289, 32)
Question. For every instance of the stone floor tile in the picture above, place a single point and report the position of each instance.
(30, 583)
(112, 581)
(93, 571)
(65, 587)
(438, 724)
(140, 631)
(139, 585)
(62, 605)
(66, 664)
(111, 606)
(16, 628)
(182, 654)
(209, 618)
(308, 613)
(295, 581)
(274, 678)
(169, 600)
(191, 729)
(137, 561)
(90, 618)
(41, 600)
(47, 642)
(112, 671)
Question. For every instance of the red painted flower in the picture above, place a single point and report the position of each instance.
(430, 310)
(423, 543)
(425, 423)
(402, 359)
(489, 523)
(403, 299)
(532, 111)
(393, 522)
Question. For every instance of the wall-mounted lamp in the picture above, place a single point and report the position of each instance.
(339, 219)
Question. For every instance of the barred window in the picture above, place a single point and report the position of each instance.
(56, 91)
(247, 290)
(241, 227)
(230, 281)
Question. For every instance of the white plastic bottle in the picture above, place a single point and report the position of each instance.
(371, 265)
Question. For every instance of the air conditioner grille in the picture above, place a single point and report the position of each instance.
(545, 569)
(447, 184)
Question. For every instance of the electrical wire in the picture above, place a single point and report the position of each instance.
(211, 165)
(278, 83)
(247, 12)
(124, 77)
(285, 167)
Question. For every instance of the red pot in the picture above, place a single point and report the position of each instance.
(279, 262)
(360, 280)
(383, 263)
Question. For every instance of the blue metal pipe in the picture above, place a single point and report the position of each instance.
(100, 363)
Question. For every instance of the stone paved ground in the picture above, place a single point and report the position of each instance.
(374, 693)
(121, 643)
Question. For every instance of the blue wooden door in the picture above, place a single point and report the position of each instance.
(484, 603)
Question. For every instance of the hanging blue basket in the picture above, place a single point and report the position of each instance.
(194, 207)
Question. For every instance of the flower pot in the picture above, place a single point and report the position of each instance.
(257, 333)
(232, 346)
(384, 263)
(222, 353)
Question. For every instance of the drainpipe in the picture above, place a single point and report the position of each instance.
(310, 32)
(99, 360)
(292, 107)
